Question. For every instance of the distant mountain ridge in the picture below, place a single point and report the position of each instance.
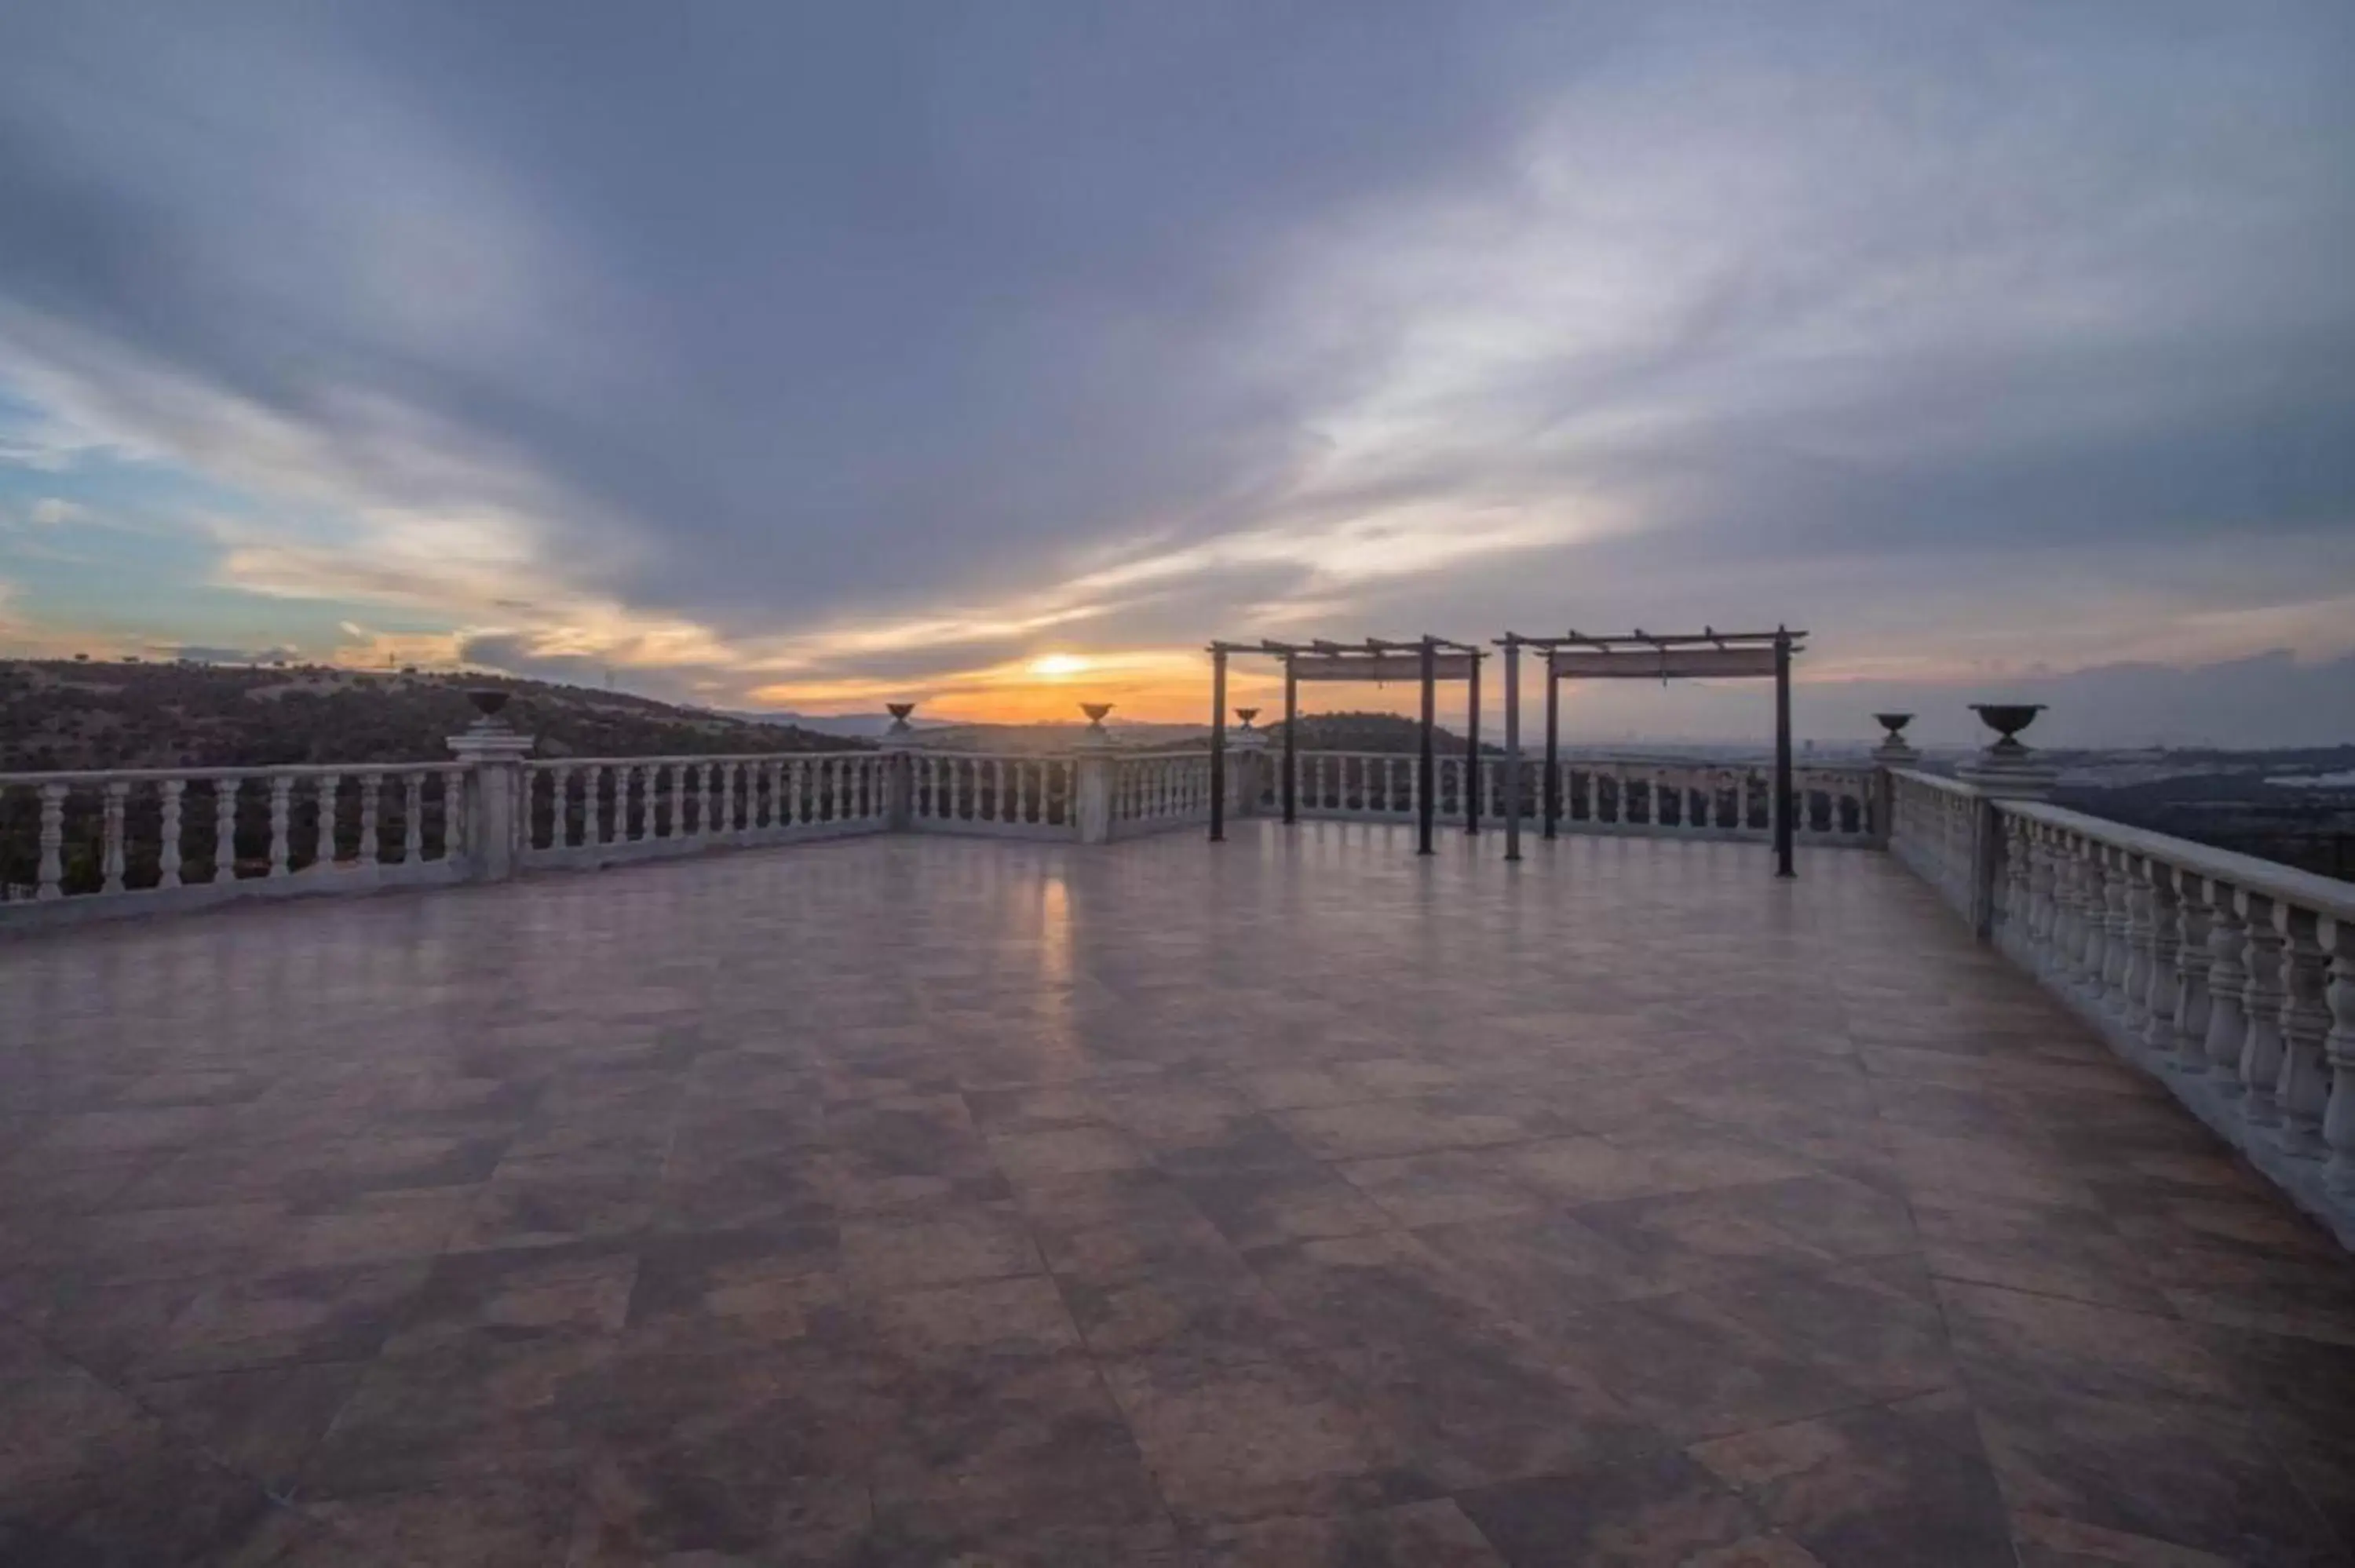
(63, 715)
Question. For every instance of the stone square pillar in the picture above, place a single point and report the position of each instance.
(2008, 771)
(495, 788)
(1091, 778)
(1247, 775)
(899, 769)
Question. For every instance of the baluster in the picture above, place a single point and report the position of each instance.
(2134, 975)
(2228, 980)
(323, 848)
(2118, 931)
(454, 813)
(2260, 1004)
(635, 781)
(2037, 950)
(2071, 916)
(2011, 908)
(2160, 934)
(2189, 1006)
(52, 873)
(282, 793)
(711, 777)
(2303, 1090)
(559, 789)
(2093, 891)
(671, 780)
(592, 804)
(796, 782)
(168, 858)
(2337, 936)
(117, 794)
(225, 830)
(726, 809)
(371, 841)
(412, 835)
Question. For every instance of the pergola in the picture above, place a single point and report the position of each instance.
(1639, 655)
(1428, 660)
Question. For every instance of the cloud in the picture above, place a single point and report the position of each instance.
(878, 350)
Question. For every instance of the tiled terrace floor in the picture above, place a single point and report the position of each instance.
(1295, 1203)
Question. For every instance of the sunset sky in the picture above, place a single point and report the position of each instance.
(1000, 356)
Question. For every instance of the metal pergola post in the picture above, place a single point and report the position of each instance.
(1784, 797)
(1512, 748)
(1472, 754)
(1291, 743)
(1218, 745)
(1552, 785)
(1427, 765)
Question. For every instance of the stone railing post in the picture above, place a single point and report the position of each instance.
(2004, 771)
(494, 756)
(899, 769)
(1892, 753)
(1091, 778)
(1247, 777)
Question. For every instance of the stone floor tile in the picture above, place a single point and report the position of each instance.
(1227, 1441)
(1902, 1482)
(2097, 1351)
(278, 1319)
(2174, 1472)
(1268, 1207)
(514, 1525)
(1660, 1510)
(1435, 1534)
(938, 1248)
(262, 1423)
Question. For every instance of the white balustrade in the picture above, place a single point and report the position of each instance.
(1595, 795)
(991, 794)
(2230, 979)
(687, 804)
(116, 842)
(1157, 790)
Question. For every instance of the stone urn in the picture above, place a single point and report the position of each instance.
(489, 702)
(899, 712)
(2007, 719)
(1895, 724)
(1246, 716)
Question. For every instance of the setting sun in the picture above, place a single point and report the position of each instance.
(1052, 665)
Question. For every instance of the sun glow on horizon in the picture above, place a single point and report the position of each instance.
(1056, 666)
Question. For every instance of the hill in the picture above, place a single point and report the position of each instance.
(60, 714)
(1371, 732)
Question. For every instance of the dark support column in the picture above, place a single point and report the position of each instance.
(1218, 745)
(1427, 765)
(1291, 742)
(1785, 800)
(1472, 789)
(1552, 792)
(1512, 746)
